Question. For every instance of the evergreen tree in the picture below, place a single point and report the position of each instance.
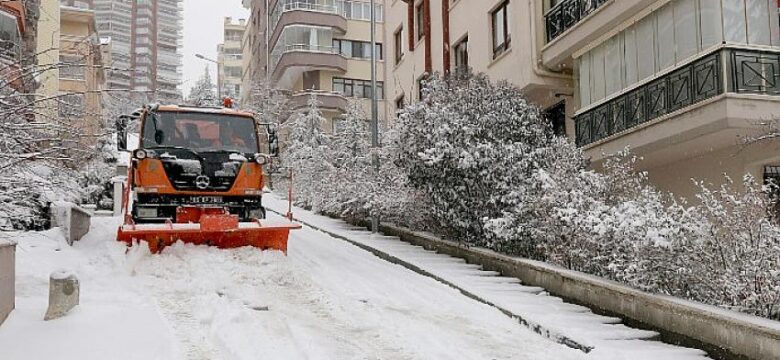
(202, 94)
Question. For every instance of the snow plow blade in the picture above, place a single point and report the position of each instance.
(219, 231)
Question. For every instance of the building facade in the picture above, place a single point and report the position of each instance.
(230, 59)
(680, 82)
(81, 73)
(319, 47)
(146, 37)
(498, 37)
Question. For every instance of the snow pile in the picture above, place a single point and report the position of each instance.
(480, 163)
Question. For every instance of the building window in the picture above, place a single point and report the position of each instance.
(421, 83)
(772, 181)
(501, 36)
(356, 49)
(420, 19)
(462, 55)
(73, 67)
(398, 42)
(357, 88)
(556, 116)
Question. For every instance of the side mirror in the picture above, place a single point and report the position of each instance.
(273, 144)
(121, 133)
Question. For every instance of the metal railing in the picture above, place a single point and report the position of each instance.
(566, 14)
(283, 49)
(283, 6)
(731, 70)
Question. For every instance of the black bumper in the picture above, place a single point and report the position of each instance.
(154, 208)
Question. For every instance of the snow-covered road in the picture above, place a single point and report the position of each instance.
(326, 300)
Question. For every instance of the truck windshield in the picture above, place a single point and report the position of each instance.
(200, 132)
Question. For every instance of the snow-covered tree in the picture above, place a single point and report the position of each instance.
(348, 185)
(203, 94)
(269, 104)
(306, 153)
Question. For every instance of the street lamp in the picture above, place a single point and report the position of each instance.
(219, 83)
(374, 106)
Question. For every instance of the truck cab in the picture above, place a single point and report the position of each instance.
(196, 157)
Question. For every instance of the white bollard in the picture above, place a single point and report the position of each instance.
(63, 294)
(119, 187)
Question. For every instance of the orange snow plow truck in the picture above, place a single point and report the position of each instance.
(197, 177)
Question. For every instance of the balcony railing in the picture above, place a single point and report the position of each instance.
(566, 14)
(732, 70)
(287, 48)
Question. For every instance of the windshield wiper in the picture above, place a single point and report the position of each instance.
(229, 151)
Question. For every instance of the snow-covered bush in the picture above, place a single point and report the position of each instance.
(735, 261)
(472, 147)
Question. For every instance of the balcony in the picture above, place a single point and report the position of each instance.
(288, 12)
(329, 101)
(293, 60)
(711, 100)
(574, 24)
(566, 14)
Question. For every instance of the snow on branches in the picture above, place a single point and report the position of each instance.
(202, 94)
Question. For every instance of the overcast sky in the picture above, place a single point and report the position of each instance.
(203, 21)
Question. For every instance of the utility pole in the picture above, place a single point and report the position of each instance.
(374, 108)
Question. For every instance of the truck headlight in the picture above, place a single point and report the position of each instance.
(140, 154)
(261, 159)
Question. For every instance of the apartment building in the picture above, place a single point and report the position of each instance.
(682, 82)
(147, 41)
(498, 37)
(230, 59)
(317, 47)
(81, 73)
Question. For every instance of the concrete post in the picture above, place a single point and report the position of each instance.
(63, 294)
(119, 188)
(7, 278)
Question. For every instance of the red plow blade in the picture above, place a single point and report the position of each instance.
(219, 231)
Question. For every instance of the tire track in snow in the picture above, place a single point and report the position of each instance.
(210, 297)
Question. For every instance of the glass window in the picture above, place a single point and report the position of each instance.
(686, 39)
(598, 83)
(774, 24)
(398, 43)
(711, 23)
(645, 54)
(357, 88)
(630, 63)
(584, 79)
(612, 62)
(734, 23)
(462, 54)
(501, 38)
(420, 20)
(758, 22)
(665, 37)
